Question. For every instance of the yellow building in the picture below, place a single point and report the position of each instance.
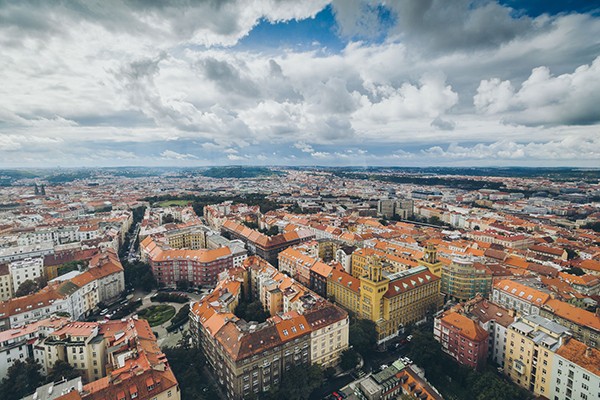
(531, 342)
(391, 300)
(431, 261)
(344, 289)
(187, 238)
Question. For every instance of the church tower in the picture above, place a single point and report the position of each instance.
(430, 260)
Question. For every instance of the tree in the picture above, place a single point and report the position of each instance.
(298, 383)
(251, 311)
(26, 288)
(363, 335)
(187, 364)
(183, 284)
(22, 378)
(60, 370)
(349, 359)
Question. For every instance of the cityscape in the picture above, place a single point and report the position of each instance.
(363, 200)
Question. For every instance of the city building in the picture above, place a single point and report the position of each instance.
(531, 342)
(575, 372)
(19, 343)
(462, 280)
(248, 357)
(462, 339)
(198, 267)
(266, 247)
(519, 297)
(584, 325)
(392, 301)
(25, 269)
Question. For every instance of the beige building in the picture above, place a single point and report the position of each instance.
(531, 342)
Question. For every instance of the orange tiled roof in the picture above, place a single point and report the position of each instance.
(573, 314)
(522, 291)
(582, 355)
(468, 328)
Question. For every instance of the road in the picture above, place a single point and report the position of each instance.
(131, 255)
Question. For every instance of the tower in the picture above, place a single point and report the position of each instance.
(373, 287)
(430, 260)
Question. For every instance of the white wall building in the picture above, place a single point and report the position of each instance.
(27, 269)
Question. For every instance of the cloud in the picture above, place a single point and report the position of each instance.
(173, 155)
(568, 149)
(304, 147)
(544, 99)
(445, 125)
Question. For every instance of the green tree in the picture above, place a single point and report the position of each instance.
(26, 288)
(251, 311)
(297, 383)
(349, 359)
(60, 370)
(22, 378)
(363, 335)
(187, 364)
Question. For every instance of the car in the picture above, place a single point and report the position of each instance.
(344, 395)
(337, 396)
(103, 312)
(409, 337)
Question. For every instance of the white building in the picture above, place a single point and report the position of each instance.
(18, 344)
(575, 372)
(23, 270)
(519, 297)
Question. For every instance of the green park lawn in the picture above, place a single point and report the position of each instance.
(157, 314)
(170, 203)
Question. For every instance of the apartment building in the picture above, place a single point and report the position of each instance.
(6, 287)
(248, 358)
(19, 344)
(575, 372)
(516, 296)
(462, 280)
(584, 325)
(198, 267)
(26, 269)
(531, 342)
(80, 345)
(462, 339)
(266, 247)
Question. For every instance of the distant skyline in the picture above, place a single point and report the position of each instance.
(274, 82)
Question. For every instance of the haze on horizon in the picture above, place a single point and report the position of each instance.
(275, 82)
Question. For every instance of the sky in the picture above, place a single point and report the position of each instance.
(278, 82)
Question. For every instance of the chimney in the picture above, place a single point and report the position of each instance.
(588, 352)
(511, 312)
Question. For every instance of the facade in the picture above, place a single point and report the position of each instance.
(531, 342)
(266, 247)
(6, 287)
(26, 269)
(249, 358)
(462, 339)
(392, 301)
(19, 344)
(575, 372)
(198, 267)
(344, 289)
(462, 280)
(431, 261)
(80, 345)
(584, 325)
(494, 319)
(519, 297)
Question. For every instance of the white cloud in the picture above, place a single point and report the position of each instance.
(544, 99)
(173, 155)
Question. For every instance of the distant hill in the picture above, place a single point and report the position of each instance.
(239, 172)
